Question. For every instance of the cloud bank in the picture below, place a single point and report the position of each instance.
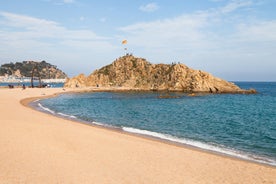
(41, 39)
(211, 39)
(224, 41)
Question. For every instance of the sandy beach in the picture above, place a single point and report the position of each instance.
(39, 148)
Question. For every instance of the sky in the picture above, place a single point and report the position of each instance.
(232, 39)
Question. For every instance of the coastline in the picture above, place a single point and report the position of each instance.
(155, 136)
(137, 159)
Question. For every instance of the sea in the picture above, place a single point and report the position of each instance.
(237, 125)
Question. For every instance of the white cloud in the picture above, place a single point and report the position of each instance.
(180, 34)
(68, 1)
(234, 5)
(210, 40)
(30, 27)
(15, 20)
(151, 7)
(203, 30)
(39, 39)
(261, 31)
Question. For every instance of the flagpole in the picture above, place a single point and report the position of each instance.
(124, 42)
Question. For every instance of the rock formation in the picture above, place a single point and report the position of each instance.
(138, 74)
(24, 69)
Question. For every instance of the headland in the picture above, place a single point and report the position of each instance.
(138, 74)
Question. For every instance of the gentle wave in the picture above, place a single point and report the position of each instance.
(53, 112)
(46, 109)
(97, 123)
(66, 115)
(105, 125)
(202, 145)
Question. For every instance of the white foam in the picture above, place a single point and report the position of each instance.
(66, 115)
(97, 123)
(46, 109)
(205, 146)
(104, 125)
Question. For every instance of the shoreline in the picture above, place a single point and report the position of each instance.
(235, 155)
(163, 155)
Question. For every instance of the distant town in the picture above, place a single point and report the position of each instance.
(15, 79)
(24, 72)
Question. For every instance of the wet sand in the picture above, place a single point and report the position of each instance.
(39, 148)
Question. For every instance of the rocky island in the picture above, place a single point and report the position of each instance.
(138, 74)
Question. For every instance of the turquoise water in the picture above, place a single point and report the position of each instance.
(239, 125)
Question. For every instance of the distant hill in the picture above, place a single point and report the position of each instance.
(139, 74)
(24, 69)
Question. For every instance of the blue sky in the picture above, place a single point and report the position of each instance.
(232, 39)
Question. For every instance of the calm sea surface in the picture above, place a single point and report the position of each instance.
(239, 125)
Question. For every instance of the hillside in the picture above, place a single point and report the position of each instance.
(138, 74)
(24, 69)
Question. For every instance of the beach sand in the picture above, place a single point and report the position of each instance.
(39, 148)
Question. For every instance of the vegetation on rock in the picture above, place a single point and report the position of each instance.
(25, 68)
(138, 74)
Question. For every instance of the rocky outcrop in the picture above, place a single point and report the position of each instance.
(77, 81)
(25, 69)
(138, 74)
